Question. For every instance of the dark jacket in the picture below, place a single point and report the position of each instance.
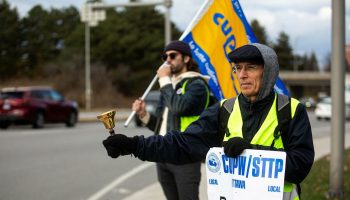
(192, 103)
(194, 143)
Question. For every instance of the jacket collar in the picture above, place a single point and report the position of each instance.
(256, 106)
(190, 74)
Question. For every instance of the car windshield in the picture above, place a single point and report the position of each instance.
(11, 95)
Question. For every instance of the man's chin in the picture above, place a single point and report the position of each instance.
(246, 93)
(246, 90)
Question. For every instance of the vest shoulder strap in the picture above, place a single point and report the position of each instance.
(228, 105)
(225, 112)
(284, 115)
(189, 80)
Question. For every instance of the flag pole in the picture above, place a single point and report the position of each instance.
(205, 6)
(127, 122)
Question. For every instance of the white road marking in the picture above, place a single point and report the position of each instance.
(119, 180)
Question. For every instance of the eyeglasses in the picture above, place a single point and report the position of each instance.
(248, 67)
(171, 55)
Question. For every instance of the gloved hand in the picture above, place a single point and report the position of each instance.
(119, 144)
(235, 146)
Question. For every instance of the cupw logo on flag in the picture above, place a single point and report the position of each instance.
(218, 28)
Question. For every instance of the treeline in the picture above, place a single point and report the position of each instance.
(127, 45)
(287, 59)
(125, 48)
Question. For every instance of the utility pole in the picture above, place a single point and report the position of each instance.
(87, 68)
(336, 176)
(91, 18)
(167, 4)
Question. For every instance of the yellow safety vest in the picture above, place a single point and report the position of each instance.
(185, 121)
(264, 136)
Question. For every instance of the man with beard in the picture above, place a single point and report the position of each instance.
(184, 95)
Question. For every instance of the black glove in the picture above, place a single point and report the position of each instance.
(235, 146)
(119, 144)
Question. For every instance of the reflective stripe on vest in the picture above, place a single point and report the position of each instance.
(185, 121)
(264, 136)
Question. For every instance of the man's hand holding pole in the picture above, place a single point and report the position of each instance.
(150, 86)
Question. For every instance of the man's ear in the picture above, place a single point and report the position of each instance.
(187, 59)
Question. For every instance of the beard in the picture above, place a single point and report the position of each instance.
(177, 68)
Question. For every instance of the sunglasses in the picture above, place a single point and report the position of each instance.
(171, 55)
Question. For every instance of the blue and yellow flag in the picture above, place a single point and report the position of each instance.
(218, 28)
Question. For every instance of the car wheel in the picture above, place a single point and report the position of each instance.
(39, 120)
(72, 119)
(4, 125)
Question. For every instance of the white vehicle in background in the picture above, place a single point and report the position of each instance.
(347, 92)
(323, 109)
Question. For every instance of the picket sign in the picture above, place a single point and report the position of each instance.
(255, 174)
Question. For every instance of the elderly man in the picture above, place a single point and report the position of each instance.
(257, 119)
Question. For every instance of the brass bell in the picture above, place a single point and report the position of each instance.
(107, 118)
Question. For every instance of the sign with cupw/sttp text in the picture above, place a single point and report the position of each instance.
(255, 174)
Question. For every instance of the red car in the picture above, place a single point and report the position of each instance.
(35, 106)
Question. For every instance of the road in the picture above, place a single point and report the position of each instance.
(64, 163)
(71, 163)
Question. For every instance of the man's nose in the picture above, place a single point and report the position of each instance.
(244, 71)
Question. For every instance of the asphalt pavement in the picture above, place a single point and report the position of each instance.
(154, 191)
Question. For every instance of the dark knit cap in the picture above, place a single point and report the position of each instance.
(246, 53)
(179, 46)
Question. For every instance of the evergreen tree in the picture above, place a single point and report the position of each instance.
(129, 43)
(44, 35)
(284, 52)
(10, 55)
(36, 46)
(259, 32)
(298, 62)
(312, 64)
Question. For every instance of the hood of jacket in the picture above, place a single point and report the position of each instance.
(189, 74)
(271, 70)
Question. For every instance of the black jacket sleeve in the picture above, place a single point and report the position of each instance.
(299, 147)
(180, 148)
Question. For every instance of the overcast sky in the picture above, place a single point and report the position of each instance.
(307, 22)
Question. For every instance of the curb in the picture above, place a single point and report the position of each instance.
(90, 120)
(91, 116)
